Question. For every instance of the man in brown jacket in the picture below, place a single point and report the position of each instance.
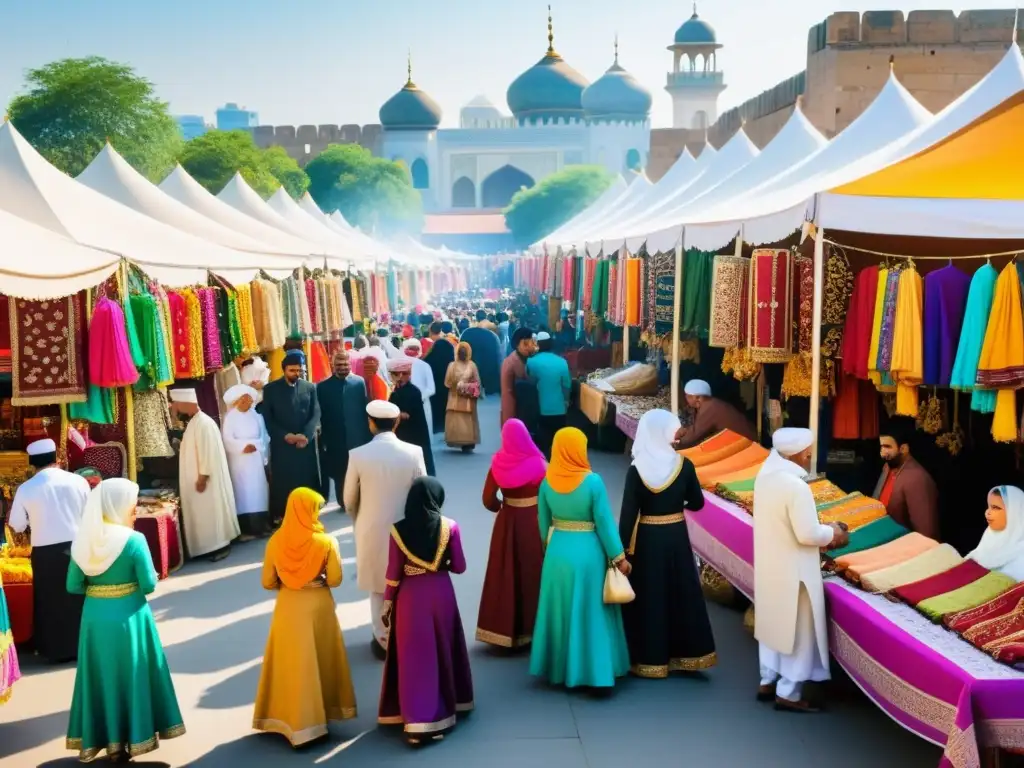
(905, 487)
(711, 416)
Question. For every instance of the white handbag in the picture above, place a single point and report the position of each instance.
(617, 589)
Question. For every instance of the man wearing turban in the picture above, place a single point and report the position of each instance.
(412, 425)
(710, 416)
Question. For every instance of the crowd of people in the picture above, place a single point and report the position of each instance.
(556, 554)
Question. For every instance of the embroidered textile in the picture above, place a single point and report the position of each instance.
(803, 303)
(835, 303)
(697, 275)
(152, 420)
(726, 300)
(212, 358)
(888, 327)
(46, 351)
(993, 609)
(771, 313)
(661, 296)
(874, 374)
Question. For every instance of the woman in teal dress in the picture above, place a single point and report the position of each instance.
(124, 700)
(578, 640)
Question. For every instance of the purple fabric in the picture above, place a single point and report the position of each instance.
(920, 688)
(945, 301)
(626, 424)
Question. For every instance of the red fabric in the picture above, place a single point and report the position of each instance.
(855, 409)
(772, 311)
(19, 610)
(163, 535)
(993, 609)
(886, 494)
(179, 335)
(376, 389)
(958, 576)
(320, 364)
(859, 320)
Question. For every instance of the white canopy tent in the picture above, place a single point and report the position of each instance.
(111, 175)
(36, 263)
(639, 185)
(340, 220)
(600, 207)
(282, 204)
(186, 190)
(367, 244)
(34, 190)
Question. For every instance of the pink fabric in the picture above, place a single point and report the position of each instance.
(518, 462)
(212, 357)
(110, 359)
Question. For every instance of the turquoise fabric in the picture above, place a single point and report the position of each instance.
(551, 375)
(123, 690)
(97, 409)
(577, 639)
(972, 337)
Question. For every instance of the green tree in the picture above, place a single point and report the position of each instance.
(72, 106)
(541, 209)
(370, 192)
(286, 170)
(213, 158)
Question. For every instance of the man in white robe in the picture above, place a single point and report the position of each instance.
(422, 375)
(377, 484)
(790, 618)
(207, 499)
(247, 445)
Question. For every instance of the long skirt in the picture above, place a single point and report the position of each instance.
(10, 672)
(508, 604)
(578, 640)
(427, 679)
(667, 626)
(462, 428)
(56, 614)
(124, 699)
(305, 682)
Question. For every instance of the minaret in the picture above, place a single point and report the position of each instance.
(695, 82)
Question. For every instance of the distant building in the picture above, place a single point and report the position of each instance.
(191, 126)
(232, 117)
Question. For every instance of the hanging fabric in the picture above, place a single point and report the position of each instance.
(771, 311)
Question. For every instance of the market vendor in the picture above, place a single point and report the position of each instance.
(51, 503)
(711, 416)
(905, 488)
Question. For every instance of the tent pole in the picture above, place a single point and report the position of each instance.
(819, 281)
(677, 303)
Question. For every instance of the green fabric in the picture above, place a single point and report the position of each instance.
(988, 587)
(123, 690)
(144, 315)
(235, 326)
(138, 359)
(874, 534)
(739, 486)
(697, 269)
(97, 409)
(578, 640)
(164, 371)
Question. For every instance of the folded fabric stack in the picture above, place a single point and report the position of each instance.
(995, 627)
(741, 491)
(716, 448)
(750, 458)
(825, 491)
(961, 588)
(856, 565)
(929, 563)
(855, 510)
(874, 534)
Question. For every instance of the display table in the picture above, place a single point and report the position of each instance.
(19, 610)
(594, 404)
(923, 676)
(159, 522)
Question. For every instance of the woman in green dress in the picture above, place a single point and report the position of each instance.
(124, 700)
(578, 640)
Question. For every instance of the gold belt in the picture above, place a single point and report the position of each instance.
(315, 584)
(110, 590)
(661, 519)
(524, 502)
(412, 570)
(575, 526)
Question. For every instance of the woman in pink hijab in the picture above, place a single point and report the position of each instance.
(508, 605)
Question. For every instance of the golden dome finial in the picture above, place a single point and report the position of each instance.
(408, 68)
(616, 47)
(551, 35)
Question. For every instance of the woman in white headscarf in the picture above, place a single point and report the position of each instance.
(247, 446)
(1002, 545)
(667, 626)
(124, 700)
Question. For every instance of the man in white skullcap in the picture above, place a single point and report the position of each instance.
(422, 376)
(377, 483)
(550, 373)
(247, 445)
(207, 497)
(51, 504)
(790, 623)
(710, 416)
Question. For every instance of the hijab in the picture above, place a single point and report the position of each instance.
(420, 530)
(300, 546)
(653, 455)
(105, 528)
(469, 352)
(999, 549)
(518, 462)
(569, 464)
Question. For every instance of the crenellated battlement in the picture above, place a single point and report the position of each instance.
(307, 141)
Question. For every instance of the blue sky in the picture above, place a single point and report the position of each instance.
(337, 61)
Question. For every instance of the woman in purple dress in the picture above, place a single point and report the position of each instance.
(427, 679)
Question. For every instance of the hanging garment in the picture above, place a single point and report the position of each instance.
(110, 360)
(697, 278)
(726, 314)
(859, 323)
(907, 366)
(834, 306)
(887, 329)
(1001, 365)
(771, 296)
(874, 374)
(945, 299)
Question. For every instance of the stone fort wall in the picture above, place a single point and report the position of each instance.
(307, 141)
(937, 56)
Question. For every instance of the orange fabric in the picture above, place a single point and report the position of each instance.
(633, 292)
(721, 446)
(319, 362)
(569, 463)
(751, 456)
(747, 473)
(895, 552)
(300, 546)
(907, 366)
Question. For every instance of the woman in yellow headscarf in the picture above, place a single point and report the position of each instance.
(578, 640)
(305, 683)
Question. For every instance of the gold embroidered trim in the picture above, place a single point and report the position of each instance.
(618, 558)
(693, 665)
(392, 583)
(442, 545)
(650, 671)
(962, 748)
(467, 707)
(503, 641)
(678, 517)
(306, 735)
(412, 570)
(438, 725)
(392, 720)
(1002, 733)
(573, 526)
(667, 483)
(115, 748)
(524, 502)
(734, 568)
(109, 591)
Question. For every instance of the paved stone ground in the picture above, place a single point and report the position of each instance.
(214, 620)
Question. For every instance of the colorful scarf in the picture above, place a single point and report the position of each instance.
(300, 547)
(569, 463)
(518, 462)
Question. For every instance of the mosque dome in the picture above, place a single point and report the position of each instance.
(617, 95)
(550, 89)
(410, 110)
(696, 31)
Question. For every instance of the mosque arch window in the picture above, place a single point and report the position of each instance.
(500, 186)
(633, 160)
(464, 193)
(420, 174)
